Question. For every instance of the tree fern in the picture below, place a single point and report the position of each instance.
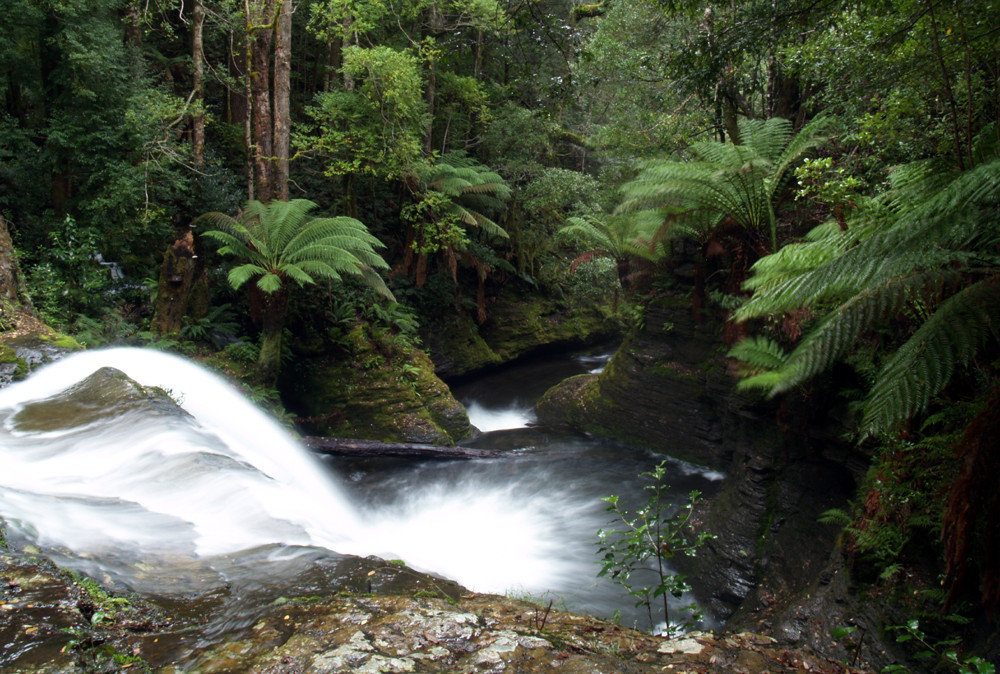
(470, 187)
(281, 243)
(927, 249)
(742, 182)
(924, 364)
(619, 237)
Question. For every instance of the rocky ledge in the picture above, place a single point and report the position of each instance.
(52, 622)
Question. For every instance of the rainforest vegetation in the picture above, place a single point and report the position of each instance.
(829, 169)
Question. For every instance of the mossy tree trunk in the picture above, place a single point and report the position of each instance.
(12, 288)
(274, 310)
(182, 289)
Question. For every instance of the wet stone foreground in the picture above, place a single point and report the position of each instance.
(383, 618)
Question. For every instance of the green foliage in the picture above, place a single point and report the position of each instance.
(892, 70)
(218, 324)
(939, 653)
(64, 276)
(820, 181)
(926, 252)
(281, 242)
(743, 182)
(653, 534)
(461, 190)
(378, 127)
(900, 509)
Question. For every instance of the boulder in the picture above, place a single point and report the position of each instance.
(380, 390)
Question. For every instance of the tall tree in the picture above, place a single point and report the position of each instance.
(261, 19)
(198, 81)
(282, 97)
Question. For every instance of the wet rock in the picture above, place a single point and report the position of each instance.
(482, 634)
(395, 626)
(518, 326)
(670, 388)
(380, 391)
(107, 393)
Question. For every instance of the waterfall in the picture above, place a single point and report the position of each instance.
(227, 479)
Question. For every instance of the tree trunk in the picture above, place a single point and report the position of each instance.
(431, 87)
(368, 448)
(262, 35)
(198, 83)
(274, 310)
(12, 289)
(347, 41)
(133, 25)
(182, 289)
(282, 95)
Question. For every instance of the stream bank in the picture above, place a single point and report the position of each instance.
(669, 387)
(380, 617)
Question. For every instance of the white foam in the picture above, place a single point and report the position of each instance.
(231, 479)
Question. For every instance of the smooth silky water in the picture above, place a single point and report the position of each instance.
(218, 512)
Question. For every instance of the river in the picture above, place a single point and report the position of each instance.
(217, 510)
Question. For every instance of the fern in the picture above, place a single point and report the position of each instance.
(924, 364)
(742, 182)
(282, 244)
(758, 353)
(927, 249)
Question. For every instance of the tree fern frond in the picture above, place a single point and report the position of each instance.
(816, 133)
(243, 273)
(374, 281)
(290, 220)
(924, 364)
(297, 274)
(758, 353)
(767, 138)
(332, 269)
(763, 381)
(231, 245)
(835, 333)
(269, 282)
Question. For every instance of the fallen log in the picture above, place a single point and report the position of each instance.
(369, 448)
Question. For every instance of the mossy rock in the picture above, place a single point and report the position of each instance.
(661, 390)
(518, 326)
(382, 390)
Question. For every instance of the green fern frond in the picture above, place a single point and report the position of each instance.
(243, 273)
(840, 329)
(297, 274)
(924, 364)
(269, 282)
(741, 182)
(759, 353)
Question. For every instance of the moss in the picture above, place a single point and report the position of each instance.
(62, 341)
(383, 390)
(461, 344)
(8, 355)
(674, 370)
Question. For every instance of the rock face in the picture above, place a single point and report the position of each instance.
(480, 634)
(517, 326)
(384, 618)
(379, 391)
(668, 388)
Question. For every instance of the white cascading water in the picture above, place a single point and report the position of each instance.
(489, 419)
(160, 486)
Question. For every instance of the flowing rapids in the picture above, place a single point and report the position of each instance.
(144, 494)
